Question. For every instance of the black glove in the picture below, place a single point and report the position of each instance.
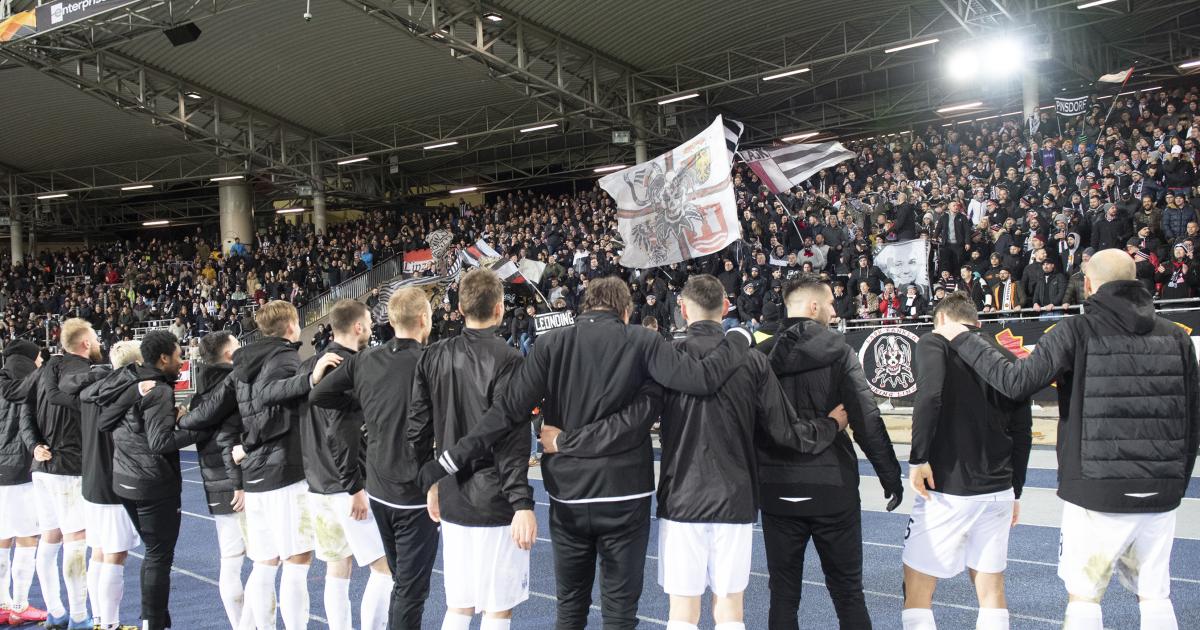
(894, 495)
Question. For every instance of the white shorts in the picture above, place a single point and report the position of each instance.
(278, 523)
(485, 569)
(109, 528)
(338, 536)
(693, 556)
(60, 504)
(948, 533)
(18, 516)
(231, 534)
(1092, 544)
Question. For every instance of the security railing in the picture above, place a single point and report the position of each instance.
(1008, 315)
(315, 309)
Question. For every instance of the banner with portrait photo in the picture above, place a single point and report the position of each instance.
(906, 263)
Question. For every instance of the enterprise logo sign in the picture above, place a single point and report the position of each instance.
(66, 12)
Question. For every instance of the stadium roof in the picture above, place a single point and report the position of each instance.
(99, 104)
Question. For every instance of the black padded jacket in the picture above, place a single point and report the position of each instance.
(332, 439)
(270, 388)
(18, 391)
(57, 417)
(215, 413)
(1128, 399)
(97, 445)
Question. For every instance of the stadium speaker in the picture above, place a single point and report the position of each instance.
(185, 33)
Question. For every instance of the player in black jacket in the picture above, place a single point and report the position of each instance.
(379, 380)
(57, 479)
(708, 479)
(331, 440)
(138, 407)
(110, 532)
(601, 506)
(270, 388)
(18, 520)
(214, 410)
(970, 448)
(816, 496)
(1129, 428)
(488, 526)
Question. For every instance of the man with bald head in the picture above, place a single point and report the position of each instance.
(1129, 428)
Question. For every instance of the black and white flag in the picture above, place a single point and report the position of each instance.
(1070, 106)
(733, 133)
(781, 168)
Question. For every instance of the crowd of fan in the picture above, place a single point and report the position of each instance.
(122, 286)
(1010, 210)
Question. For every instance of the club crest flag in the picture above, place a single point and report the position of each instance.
(678, 206)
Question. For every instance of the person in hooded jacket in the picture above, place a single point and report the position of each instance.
(214, 410)
(18, 389)
(269, 388)
(816, 497)
(58, 478)
(709, 479)
(1178, 278)
(110, 532)
(334, 468)
(138, 406)
(1129, 429)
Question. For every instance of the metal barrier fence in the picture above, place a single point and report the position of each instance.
(320, 306)
(1011, 315)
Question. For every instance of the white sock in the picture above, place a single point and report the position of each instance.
(230, 586)
(23, 563)
(1158, 614)
(47, 574)
(260, 595)
(75, 577)
(5, 566)
(93, 589)
(111, 582)
(992, 619)
(377, 598)
(293, 596)
(1083, 616)
(731, 625)
(455, 621)
(490, 623)
(681, 625)
(918, 619)
(337, 603)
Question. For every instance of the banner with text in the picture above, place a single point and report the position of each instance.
(550, 321)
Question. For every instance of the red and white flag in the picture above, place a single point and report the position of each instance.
(417, 261)
(1117, 77)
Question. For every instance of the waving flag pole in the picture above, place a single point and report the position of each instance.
(1111, 78)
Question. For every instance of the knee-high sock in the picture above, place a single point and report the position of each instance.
(230, 586)
(455, 621)
(490, 623)
(681, 625)
(260, 595)
(376, 599)
(23, 562)
(5, 566)
(918, 619)
(111, 584)
(731, 625)
(47, 574)
(337, 603)
(992, 619)
(1083, 616)
(1158, 614)
(75, 578)
(293, 596)
(93, 589)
